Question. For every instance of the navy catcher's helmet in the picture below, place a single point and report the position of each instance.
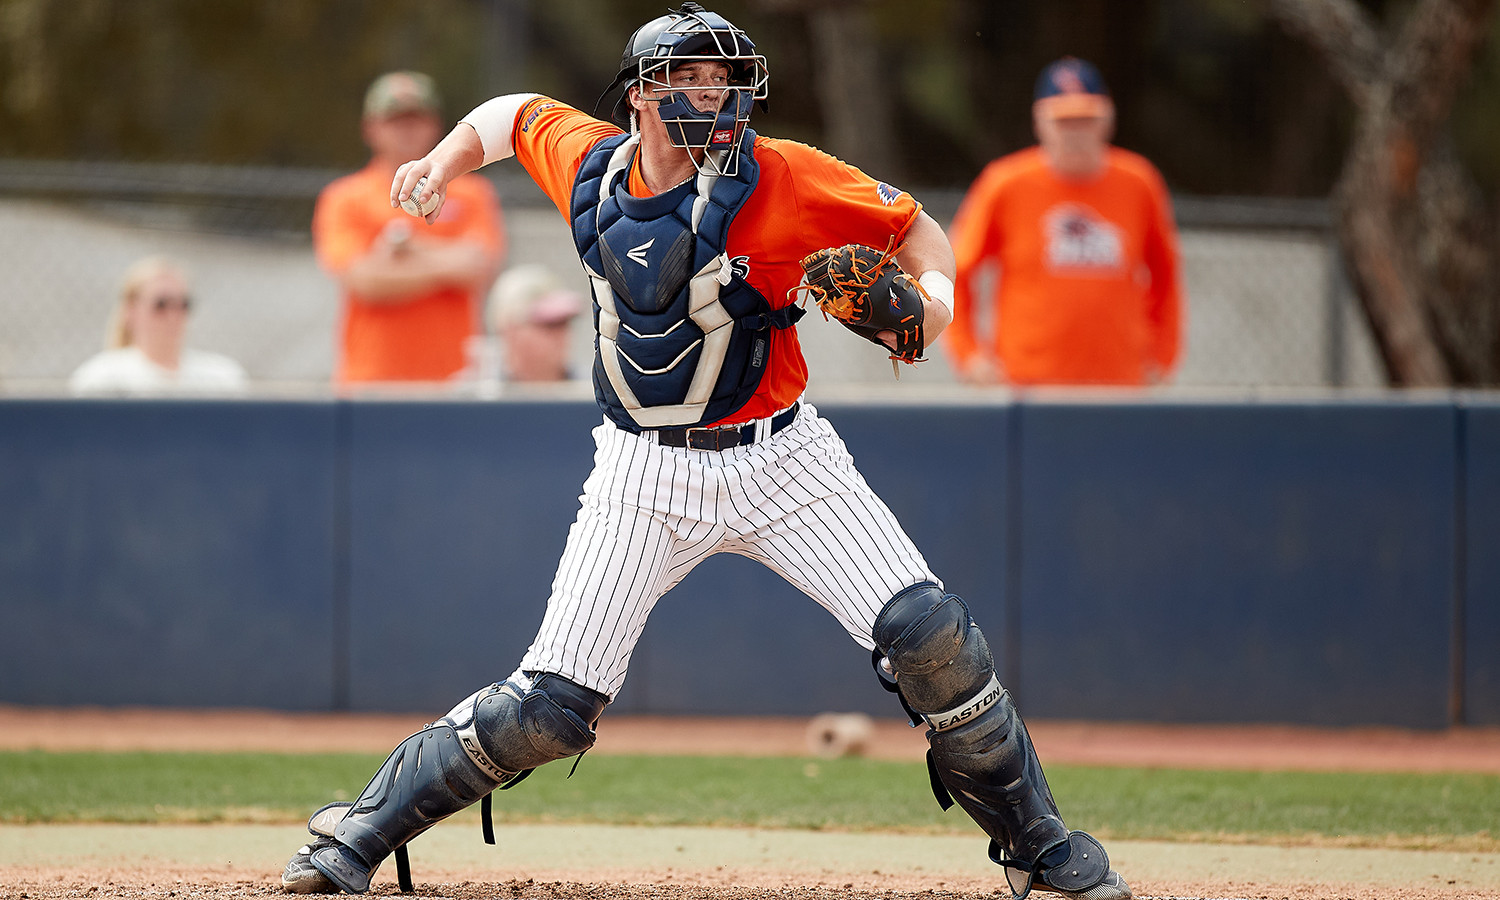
(690, 34)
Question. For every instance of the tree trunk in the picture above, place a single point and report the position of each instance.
(1372, 197)
(1415, 234)
(852, 83)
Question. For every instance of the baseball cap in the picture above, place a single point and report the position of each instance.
(395, 93)
(1071, 88)
(531, 294)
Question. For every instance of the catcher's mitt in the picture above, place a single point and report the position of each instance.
(867, 291)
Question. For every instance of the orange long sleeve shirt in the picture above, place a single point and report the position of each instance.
(421, 338)
(1088, 288)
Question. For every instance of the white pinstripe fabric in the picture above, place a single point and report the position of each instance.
(649, 514)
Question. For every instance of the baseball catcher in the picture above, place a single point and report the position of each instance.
(680, 215)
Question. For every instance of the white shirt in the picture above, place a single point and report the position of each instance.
(129, 371)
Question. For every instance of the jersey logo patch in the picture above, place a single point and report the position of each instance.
(888, 194)
(638, 254)
(740, 266)
(1079, 238)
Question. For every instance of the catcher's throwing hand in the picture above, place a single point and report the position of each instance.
(421, 180)
(866, 290)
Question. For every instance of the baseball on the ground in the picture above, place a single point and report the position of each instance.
(832, 735)
(410, 203)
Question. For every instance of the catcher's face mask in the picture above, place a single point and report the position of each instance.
(703, 111)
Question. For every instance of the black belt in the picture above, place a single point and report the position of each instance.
(721, 438)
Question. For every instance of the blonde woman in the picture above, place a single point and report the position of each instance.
(144, 352)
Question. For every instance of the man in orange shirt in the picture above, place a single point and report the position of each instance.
(1086, 249)
(692, 230)
(411, 295)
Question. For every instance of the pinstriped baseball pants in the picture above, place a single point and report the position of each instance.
(649, 514)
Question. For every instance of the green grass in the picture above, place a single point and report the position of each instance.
(849, 794)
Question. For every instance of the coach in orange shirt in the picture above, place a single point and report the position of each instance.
(411, 291)
(1082, 232)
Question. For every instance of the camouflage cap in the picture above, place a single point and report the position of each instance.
(395, 93)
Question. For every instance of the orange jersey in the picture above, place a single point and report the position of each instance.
(804, 200)
(417, 339)
(1088, 274)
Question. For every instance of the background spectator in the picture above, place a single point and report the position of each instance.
(1086, 247)
(144, 352)
(410, 289)
(531, 314)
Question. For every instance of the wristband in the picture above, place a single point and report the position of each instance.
(938, 286)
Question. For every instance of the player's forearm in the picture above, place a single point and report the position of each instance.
(937, 312)
(459, 153)
(928, 257)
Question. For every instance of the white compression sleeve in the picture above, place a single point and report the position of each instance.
(938, 287)
(495, 123)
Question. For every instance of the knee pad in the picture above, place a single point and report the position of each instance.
(520, 724)
(941, 662)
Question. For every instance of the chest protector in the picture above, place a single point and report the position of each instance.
(680, 337)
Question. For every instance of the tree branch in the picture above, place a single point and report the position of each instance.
(1431, 60)
(1343, 33)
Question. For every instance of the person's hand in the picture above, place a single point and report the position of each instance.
(395, 237)
(983, 370)
(407, 176)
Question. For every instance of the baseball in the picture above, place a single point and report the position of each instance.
(410, 203)
(832, 735)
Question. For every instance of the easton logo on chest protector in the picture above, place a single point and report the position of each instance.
(681, 338)
(638, 254)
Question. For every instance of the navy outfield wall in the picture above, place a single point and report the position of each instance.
(457, 515)
(166, 554)
(1478, 619)
(1197, 562)
(1329, 563)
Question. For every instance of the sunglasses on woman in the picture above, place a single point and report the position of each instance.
(162, 304)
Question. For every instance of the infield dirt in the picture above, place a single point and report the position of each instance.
(567, 862)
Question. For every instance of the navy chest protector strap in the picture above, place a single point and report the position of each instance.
(681, 338)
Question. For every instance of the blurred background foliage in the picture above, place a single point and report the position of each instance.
(1211, 90)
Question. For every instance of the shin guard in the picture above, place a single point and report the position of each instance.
(493, 738)
(428, 777)
(980, 753)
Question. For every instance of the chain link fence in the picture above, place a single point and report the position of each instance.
(1266, 305)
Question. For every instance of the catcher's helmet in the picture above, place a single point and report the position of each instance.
(687, 34)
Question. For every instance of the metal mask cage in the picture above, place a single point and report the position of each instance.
(716, 132)
(654, 73)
